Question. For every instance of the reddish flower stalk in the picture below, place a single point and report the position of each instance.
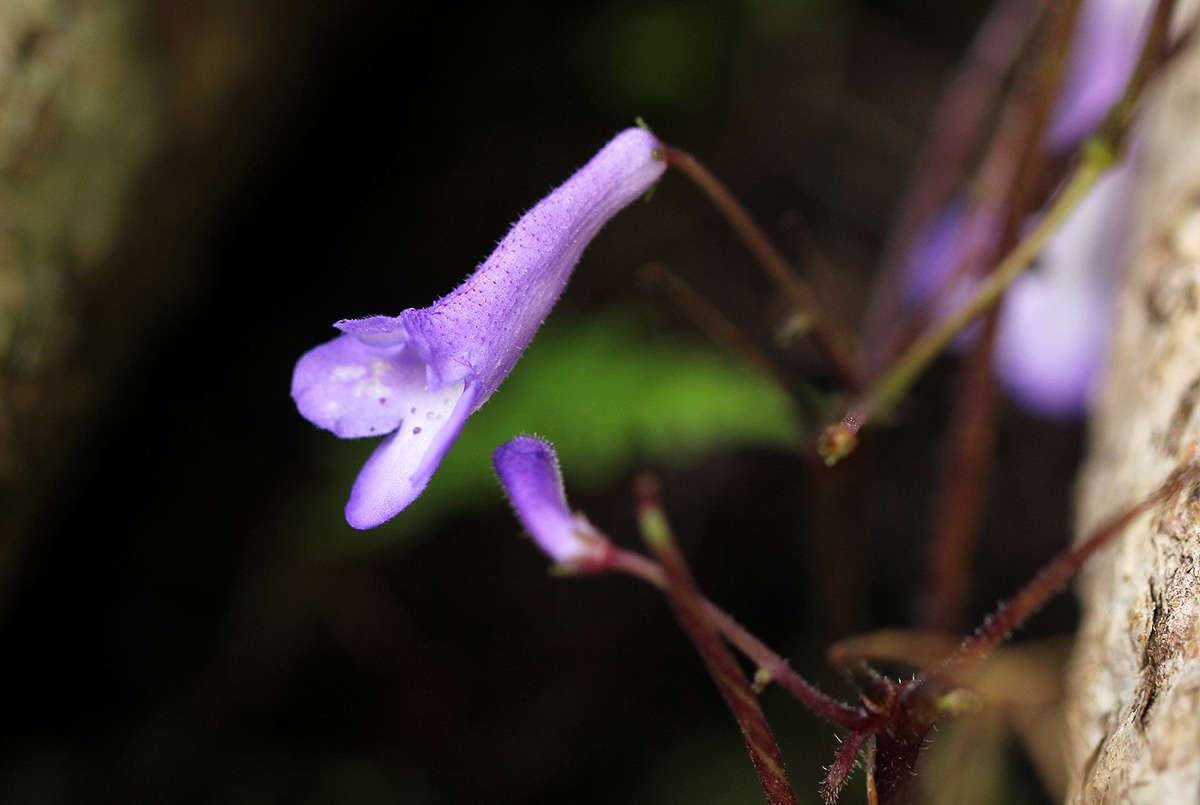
(794, 289)
(1006, 181)
(771, 666)
(964, 478)
(843, 764)
(725, 672)
(1051, 578)
(528, 469)
(711, 321)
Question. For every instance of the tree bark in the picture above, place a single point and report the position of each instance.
(1133, 688)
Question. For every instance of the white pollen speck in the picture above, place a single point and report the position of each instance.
(344, 373)
(372, 387)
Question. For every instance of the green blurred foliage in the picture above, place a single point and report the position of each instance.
(781, 19)
(607, 390)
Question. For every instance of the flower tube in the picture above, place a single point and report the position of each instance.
(419, 375)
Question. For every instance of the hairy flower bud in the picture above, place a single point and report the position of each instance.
(529, 472)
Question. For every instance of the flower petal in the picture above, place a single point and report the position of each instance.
(943, 270)
(1104, 49)
(1051, 346)
(401, 466)
(1053, 336)
(528, 469)
(941, 265)
(379, 331)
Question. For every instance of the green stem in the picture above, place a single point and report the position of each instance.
(838, 440)
(1098, 157)
(957, 126)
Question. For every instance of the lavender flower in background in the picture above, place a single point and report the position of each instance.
(941, 274)
(1104, 48)
(419, 375)
(1052, 341)
(529, 471)
(1053, 336)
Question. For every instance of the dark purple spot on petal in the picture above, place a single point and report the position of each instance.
(383, 400)
(412, 410)
(416, 431)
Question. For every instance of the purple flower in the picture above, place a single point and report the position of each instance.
(1053, 336)
(943, 267)
(1052, 342)
(419, 375)
(528, 469)
(1104, 48)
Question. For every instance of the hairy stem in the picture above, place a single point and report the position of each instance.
(722, 667)
(1053, 577)
(843, 764)
(711, 321)
(964, 478)
(799, 296)
(771, 666)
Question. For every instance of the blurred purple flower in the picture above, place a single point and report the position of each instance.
(1104, 48)
(529, 471)
(943, 266)
(1053, 336)
(419, 375)
(1052, 342)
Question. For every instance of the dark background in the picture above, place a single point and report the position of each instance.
(169, 633)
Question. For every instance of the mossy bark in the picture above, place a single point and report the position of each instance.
(80, 124)
(124, 125)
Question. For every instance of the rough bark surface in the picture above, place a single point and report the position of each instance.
(1133, 710)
